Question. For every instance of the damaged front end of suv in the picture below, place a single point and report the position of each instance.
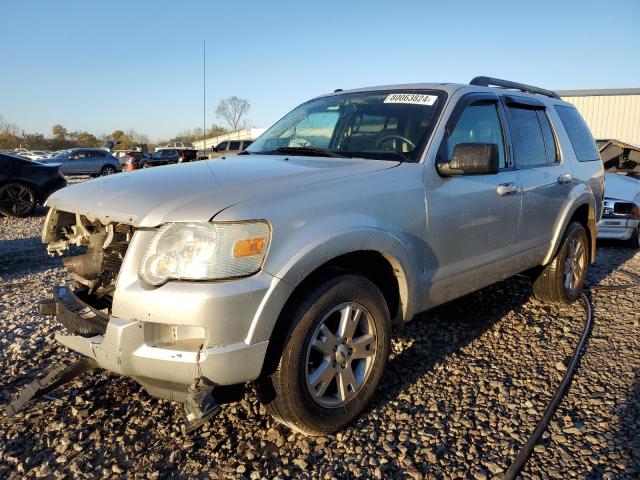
(97, 252)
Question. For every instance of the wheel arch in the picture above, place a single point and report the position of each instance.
(381, 269)
(582, 210)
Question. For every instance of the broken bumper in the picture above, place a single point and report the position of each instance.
(161, 353)
(617, 228)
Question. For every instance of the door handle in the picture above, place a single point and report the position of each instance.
(565, 178)
(507, 189)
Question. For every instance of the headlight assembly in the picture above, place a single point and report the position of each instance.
(205, 251)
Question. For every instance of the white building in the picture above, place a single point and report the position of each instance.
(610, 113)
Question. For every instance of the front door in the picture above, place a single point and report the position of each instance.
(472, 219)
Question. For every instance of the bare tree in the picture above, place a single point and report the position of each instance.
(233, 110)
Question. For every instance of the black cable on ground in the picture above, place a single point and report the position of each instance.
(524, 454)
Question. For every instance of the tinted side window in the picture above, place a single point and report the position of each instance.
(479, 123)
(549, 139)
(246, 144)
(234, 145)
(526, 136)
(222, 147)
(581, 139)
(96, 154)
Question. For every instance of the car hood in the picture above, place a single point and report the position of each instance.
(195, 192)
(621, 187)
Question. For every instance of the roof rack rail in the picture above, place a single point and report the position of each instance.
(496, 82)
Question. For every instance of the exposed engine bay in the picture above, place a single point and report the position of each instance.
(96, 253)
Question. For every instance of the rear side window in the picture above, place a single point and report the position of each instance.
(581, 139)
(97, 154)
(532, 138)
(234, 145)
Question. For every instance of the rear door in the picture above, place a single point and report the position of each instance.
(77, 163)
(96, 160)
(473, 219)
(546, 177)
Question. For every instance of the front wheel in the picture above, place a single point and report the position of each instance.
(333, 357)
(561, 280)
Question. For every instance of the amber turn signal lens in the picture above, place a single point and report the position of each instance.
(248, 247)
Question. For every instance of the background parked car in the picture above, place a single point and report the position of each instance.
(621, 213)
(166, 156)
(178, 145)
(24, 184)
(35, 154)
(86, 161)
(230, 147)
(133, 160)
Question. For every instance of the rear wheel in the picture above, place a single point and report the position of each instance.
(561, 280)
(17, 200)
(107, 170)
(146, 165)
(333, 357)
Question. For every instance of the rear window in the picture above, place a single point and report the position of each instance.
(581, 139)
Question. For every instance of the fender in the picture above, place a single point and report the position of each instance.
(583, 198)
(310, 255)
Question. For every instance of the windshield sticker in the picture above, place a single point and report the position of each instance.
(413, 98)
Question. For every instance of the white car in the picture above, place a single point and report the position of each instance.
(621, 211)
(35, 155)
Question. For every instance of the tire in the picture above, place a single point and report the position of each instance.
(17, 199)
(145, 165)
(339, 397)
(561, 280)
(107, 170)
(634, 241)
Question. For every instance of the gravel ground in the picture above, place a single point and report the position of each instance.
(465, 386)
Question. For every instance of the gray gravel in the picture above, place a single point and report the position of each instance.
(465, 386)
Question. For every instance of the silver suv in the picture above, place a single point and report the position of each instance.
(289, 264)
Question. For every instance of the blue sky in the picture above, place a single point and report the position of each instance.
(99, 66)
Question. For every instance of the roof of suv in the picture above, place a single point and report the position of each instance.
(451, 88)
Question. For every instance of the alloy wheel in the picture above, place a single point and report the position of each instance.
(574, 264)
(340, 355)
(17, 199)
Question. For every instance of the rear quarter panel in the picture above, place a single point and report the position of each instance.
(587, 187)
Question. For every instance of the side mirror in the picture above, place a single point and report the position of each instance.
(471, 159)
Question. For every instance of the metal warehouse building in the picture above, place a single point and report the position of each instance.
(610, 113)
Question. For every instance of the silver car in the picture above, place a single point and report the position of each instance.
(289, 264)
(85, 161)
(621, 213)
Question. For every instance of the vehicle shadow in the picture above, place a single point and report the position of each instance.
(22, 256)
(437, 334)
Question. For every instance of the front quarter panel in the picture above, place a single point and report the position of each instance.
(380, 211)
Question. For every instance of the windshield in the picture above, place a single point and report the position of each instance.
(388, 125)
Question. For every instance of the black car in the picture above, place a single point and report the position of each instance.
(165, 156)
(25, 183)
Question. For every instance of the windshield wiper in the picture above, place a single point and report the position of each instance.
(314, 151)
